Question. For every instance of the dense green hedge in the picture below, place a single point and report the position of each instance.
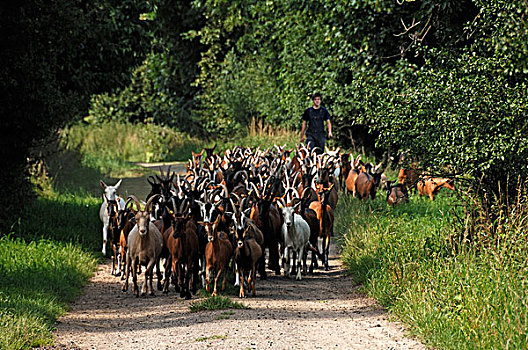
(445, 81)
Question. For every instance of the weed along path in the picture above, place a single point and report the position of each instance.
(320, 312)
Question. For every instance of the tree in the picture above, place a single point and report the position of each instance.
(55, 56)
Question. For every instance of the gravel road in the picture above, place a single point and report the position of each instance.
(323, 311)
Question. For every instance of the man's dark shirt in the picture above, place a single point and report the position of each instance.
(315, 119)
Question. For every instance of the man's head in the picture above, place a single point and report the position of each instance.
(316, 98)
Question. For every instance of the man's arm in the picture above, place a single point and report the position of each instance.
(329, 126)
(303, 128)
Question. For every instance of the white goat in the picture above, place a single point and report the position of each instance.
(110, 198)
(295, 233)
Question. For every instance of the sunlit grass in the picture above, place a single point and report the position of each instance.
(452, 295)
(37, 280)
(216, 303)
(112, 148)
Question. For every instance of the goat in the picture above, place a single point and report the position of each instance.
(218, 252)
(183, 248)
(367, 182)
(241, 223)
(296, 235)
(247, 253)
(268, 219)
(431, 185)
(408, 173)
(345, 170)
(144, 248)
(353, 173)
(108, 208)
(310, 216)
(126, 222)
(396, 193)
(325, 215)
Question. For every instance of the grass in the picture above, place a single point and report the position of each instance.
(216, 303)
(45, 260)
(37, 280)
(453, 295)
(225, 315)
(112, 148)
(212, 337)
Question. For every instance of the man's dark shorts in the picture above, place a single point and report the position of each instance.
(316, 140)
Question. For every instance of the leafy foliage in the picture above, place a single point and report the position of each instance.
(55, 56)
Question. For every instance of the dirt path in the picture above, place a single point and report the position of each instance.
(319, 312)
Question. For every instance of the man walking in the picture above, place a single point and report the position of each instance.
(315, 116)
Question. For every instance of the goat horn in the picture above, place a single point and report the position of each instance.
(127, 202)
(136, 201)
(232, 205)
(183, 205)
(149, 202)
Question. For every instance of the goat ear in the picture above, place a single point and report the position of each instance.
(118, 184)
(229, 214)
(103, 185)
(247, 212)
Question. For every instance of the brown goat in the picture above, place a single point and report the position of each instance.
(367, 182)
(311, 218)
(126, 222)
(431, 185)
(218, 252)
(183, 246)
(353, 173)
(396, 193)
(268, 219)
(247, 253)
(408, 177)
(325, 215)
(346, 167)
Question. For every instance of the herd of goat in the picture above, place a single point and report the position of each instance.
(232, 207)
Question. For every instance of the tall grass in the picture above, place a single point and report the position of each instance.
(112, 146)
(417, 261)
(259, 134)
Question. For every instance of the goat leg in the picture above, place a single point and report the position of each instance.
(326, 252)
(196, 275)
(286, 262)
(125, 284)
(159, 275)
(105, 238)
(134, 278)
(241, 293)
(252, 280)
(217, 277)
(149, 272)
(168, 274)
(188, 280)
